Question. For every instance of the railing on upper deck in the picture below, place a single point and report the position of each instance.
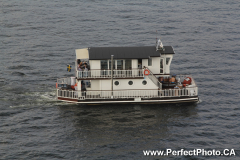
(107, 74)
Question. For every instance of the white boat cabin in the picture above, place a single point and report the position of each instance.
(129, 64)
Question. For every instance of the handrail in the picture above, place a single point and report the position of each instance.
(64, 80)
(81, 95)
(153, 78)
(107, 74)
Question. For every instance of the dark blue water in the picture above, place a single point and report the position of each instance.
(38, 39)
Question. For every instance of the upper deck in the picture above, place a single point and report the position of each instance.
(106, 74)
(128, 62)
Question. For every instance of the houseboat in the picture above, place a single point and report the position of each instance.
(126, 75)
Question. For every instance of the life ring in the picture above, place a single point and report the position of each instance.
(148, 72)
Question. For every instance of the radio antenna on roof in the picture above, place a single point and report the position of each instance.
(159, 45)
(156, 35)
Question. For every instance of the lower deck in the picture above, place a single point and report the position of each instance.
(129, 96)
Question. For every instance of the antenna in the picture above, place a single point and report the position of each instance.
(156, 35)
(159, 45)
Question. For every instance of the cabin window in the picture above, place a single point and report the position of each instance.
(110, 62)
(128, 64)
(161, 65)
(88, 84)
(120, 64)
(149, 61)
(167, 60)
(104, 64)
(130, 83)
(139, 63)
(116, 83)
(144, 82)
(117, 64)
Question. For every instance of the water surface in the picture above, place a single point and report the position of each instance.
(38, 39)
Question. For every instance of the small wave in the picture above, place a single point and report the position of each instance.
(37, 104)
(2, 79)
(42, 96)
(33, 99)
(199, 101)
(20, 67)
(18, 74)
(19, 106)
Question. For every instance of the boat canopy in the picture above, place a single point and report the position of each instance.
(101, 53)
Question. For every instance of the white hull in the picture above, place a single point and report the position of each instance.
(134, 101)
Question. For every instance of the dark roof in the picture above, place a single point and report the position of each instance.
(98, 53)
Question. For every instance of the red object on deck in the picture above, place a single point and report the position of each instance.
(56, 85)
(187, 80)
(73, 86)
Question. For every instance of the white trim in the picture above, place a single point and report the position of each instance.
(142, 101)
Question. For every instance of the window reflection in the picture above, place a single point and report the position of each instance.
(167, 60)
(149, 61)
(120, 64)
(117, 64)
(128, 64)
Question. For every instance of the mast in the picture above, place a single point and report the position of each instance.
(112, 74)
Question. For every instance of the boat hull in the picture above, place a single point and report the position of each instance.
(184, 99)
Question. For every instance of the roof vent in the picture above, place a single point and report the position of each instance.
(159, 45)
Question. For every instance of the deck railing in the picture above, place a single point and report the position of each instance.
(64, 81)
(107, 74)
(120, 94)
(67, 94)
